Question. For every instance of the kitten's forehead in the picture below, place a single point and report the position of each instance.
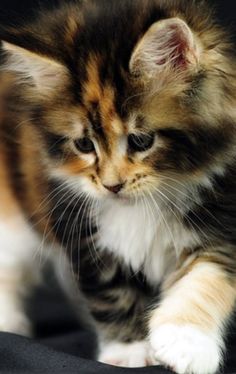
(116, 105)
(99, 97)
(104, 80)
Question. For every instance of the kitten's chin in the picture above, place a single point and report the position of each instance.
(123, 199)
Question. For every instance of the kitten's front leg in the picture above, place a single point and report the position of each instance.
(118, 308)
(187, 329)
(18, 272)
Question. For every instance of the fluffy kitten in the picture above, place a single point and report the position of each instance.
(118, 144)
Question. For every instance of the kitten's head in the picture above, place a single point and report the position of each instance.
(127, 96)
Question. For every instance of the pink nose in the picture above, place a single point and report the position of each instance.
(115, 189)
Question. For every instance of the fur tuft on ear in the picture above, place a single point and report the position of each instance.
(44, 72)
(168, 46)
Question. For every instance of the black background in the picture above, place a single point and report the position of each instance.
(23, 9)
(61, 344)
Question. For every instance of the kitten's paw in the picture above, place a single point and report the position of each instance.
(136, 354)
(12, 316)
(15, 322)
(186, 349)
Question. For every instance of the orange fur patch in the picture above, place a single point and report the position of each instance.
(203, 296)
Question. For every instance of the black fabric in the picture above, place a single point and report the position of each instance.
(61, 343)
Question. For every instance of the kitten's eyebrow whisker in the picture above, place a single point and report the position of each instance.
(140, 94)
(25, 121)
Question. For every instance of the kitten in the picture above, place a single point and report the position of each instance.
(118, 145)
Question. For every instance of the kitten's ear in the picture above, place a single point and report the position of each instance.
(45, 72)
(168, 46)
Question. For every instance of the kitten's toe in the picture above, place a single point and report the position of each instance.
(136, 354)
(186, 349)
(15, 322)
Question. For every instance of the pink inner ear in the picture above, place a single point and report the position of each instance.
(173, 44)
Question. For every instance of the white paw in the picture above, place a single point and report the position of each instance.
(15, 322)
(136, 354)
(12, 316)
(186, 349)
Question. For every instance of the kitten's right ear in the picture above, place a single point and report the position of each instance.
(168, 48)
(45, 72)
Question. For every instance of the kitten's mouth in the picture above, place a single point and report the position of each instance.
(122, 198)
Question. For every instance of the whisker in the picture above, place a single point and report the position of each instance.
(47, 232)
(49, 198)
(194, 226)
(166, 223)
(74, 228)
(85, 203)
(193, 200)
(95, 257)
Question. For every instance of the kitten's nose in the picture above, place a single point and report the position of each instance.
(115, 189)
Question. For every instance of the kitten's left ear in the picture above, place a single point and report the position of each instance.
(45, 72)
(169, 46)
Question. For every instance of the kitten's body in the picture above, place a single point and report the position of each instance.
(149, 203)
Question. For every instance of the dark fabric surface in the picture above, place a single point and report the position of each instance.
(61, 344)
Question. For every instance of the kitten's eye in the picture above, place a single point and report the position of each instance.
(141, 143)
(84, 145)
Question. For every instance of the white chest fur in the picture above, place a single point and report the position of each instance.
(147, 241)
